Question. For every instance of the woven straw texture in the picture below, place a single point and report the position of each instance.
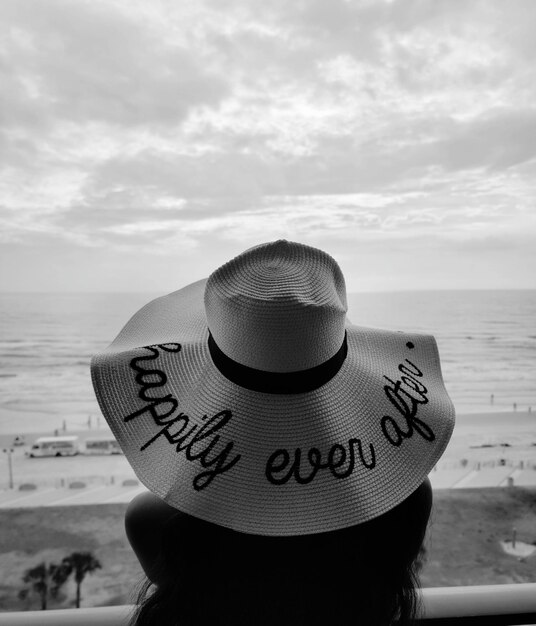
(264, 463)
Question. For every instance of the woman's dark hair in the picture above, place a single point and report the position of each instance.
(366, 574)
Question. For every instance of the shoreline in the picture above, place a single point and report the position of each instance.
(486, 427)
(465, 420)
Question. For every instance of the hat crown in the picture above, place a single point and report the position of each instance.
(278, 307)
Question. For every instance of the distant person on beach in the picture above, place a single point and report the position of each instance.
(286, 451)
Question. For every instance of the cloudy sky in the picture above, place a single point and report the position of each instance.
(145, 142)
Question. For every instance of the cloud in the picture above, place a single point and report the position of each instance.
(359, 218)
(93, 61)
(498, 140)
(165, 126)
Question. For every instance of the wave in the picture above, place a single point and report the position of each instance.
(486, 340)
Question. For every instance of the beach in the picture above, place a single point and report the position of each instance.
(483, 437)
(486, 449)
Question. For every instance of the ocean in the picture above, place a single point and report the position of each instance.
(487, 343)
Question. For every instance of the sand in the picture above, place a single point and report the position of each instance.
(492, 437)
(480, 441)
(520, 549)
(15, 418)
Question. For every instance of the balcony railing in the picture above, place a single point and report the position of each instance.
(489, 605)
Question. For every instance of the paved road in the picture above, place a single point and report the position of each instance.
(50, 496)
(100, 494)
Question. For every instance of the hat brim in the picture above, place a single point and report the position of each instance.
(272, 464)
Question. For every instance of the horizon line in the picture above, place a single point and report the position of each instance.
(367, 291)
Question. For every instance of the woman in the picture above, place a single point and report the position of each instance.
(287, 450)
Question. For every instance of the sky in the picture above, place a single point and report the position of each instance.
(143, 143)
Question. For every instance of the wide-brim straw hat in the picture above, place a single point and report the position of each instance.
(250, 401)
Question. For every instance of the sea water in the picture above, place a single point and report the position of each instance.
(487, 343)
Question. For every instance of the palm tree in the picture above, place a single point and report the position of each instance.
(44, 580)
(79, 564)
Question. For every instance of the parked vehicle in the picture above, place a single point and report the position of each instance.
(102, 445)
(55, 446)
(18, 440)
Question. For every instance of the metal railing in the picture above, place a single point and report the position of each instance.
(490, 605)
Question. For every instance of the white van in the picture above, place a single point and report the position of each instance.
(102, 445)
(55, 446)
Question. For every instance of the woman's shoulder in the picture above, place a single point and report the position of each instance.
(147, 510)
(145, 518)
